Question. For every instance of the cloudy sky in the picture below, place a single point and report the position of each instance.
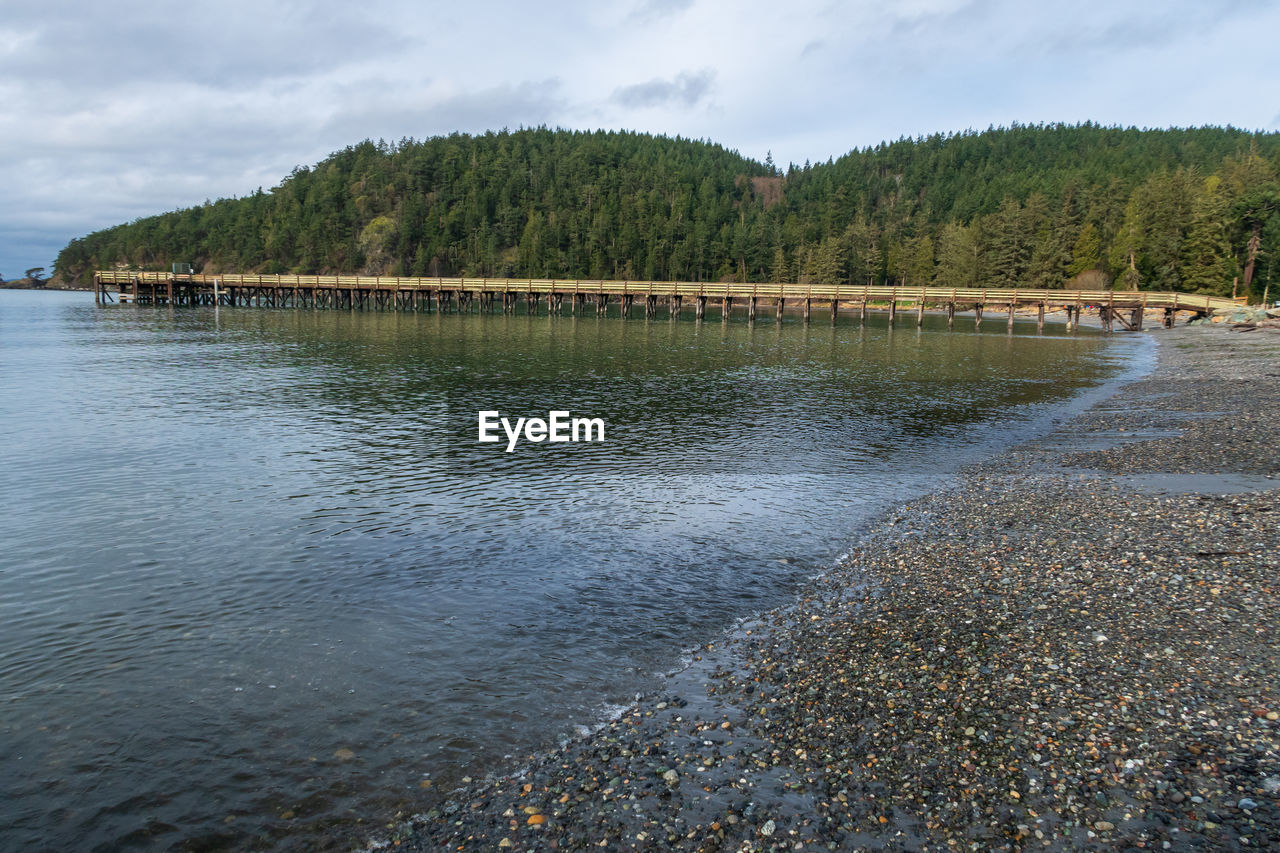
(114, 109)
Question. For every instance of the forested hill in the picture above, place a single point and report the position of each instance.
(1031, 206)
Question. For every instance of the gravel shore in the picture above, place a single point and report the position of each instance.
(1073, 648)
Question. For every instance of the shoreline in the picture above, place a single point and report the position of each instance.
(1053, 653)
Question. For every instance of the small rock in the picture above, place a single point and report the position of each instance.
(1104, 826)
(769, 828)
(1246, 804)
(671, 777)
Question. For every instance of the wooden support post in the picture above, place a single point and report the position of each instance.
(893, 311)
(751, 310)
(835, 309)
(1040, 317)
(977, 316)
(168, 283)
(700, 309)
(1169, 316)
(726, 308)
(920, 313)
(1010, 323)
(951, 315)
(862, 312)
(780, 306)
(675, 306)
(808, 306)
(1135, 320)
(1104, 314)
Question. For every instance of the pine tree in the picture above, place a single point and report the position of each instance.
(957, 264)
(1207, 263)
(780, 271)
(1086, 254)
(829, 261)
(1051, 253)
(920, 263)
(1006, 250)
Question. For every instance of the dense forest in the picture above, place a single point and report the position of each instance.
(1034, 206)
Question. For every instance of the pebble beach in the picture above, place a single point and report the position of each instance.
(1072, 647)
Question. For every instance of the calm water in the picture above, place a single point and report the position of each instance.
(258, 578)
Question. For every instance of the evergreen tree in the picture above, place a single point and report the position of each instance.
(1207, 263)
(829, 261)
(957, 257)
(1086, 254)
(919, 265)
(1007, 245)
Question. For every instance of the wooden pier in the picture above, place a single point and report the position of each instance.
(1125, 309)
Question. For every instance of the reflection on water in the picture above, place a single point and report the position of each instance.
(260, 580)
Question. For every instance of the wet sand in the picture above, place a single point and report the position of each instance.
(1072, 648)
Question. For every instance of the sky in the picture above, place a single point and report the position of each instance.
(115, 109)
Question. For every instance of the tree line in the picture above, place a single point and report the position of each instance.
(1195, 209)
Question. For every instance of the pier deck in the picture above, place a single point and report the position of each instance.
(348, 292)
